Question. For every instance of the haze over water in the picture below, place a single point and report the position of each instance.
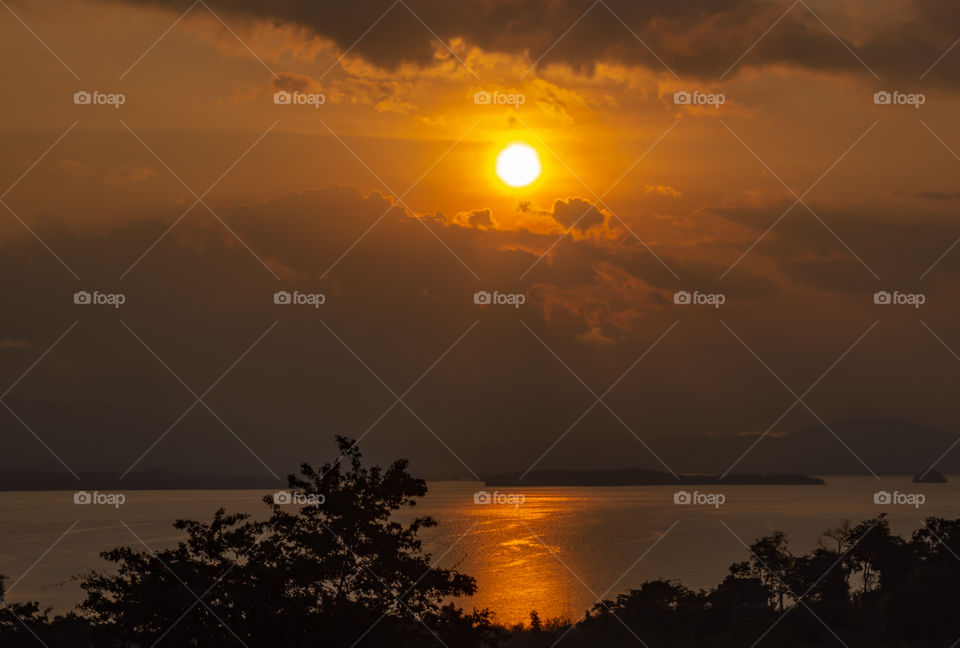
(556, 552)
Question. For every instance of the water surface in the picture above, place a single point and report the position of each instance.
(557, 552)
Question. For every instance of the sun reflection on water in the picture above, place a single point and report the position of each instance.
(523, 570)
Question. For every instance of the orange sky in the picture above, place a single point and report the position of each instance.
(674, 197)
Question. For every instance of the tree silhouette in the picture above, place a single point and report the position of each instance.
(332, 573)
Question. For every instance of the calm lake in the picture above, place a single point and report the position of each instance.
(555, 552)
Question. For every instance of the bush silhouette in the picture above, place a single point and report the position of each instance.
(346, 573)
(329, 574)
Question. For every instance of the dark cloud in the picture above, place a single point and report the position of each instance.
(934, 195)
(481, 218)
(399, 299)
(701, 38)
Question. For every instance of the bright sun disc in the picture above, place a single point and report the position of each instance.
(518, 165)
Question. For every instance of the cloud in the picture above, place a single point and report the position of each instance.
(479, 218)
(10, 344)
(940, 196)
(663, 190)
(694, 38)
(128, 175)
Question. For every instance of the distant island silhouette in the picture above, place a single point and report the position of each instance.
(930, 477)
(640, 477)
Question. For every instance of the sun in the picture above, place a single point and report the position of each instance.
(518, 165)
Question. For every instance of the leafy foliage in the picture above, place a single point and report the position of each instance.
(347, 573)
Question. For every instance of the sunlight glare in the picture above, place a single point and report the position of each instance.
(518, 165)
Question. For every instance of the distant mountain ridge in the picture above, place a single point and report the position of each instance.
(638, 477)
(885, 446)
(888, 447)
